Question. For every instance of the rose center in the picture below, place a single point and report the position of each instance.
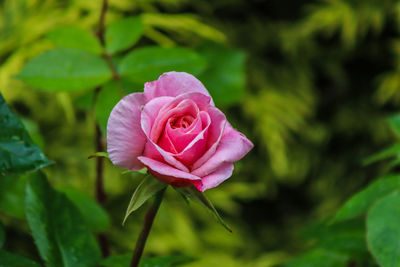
(182, 122)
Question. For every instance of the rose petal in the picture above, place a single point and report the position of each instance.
(152, 150)
(232, 147)
(190, 102)
(215, 178)
(174, 84)
(166, 143)
(196, 147)
(125, 138)
(218, 121)
(185, 107)
(181, 137)
(168, 174)
(202, 101)
(151, 110)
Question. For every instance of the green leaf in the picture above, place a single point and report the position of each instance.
(165, 261)
(65, 70)
(33, 130)
(224, 76)
(394, 163)
(146, 189)
(95, 216)
(160, 261)
(184, 194)
(394, 122)
(319, 258)
(351, 242)
(384, 154)
(129, 86)
(13, 260)
(141, 171)
(99, 154)
(346, 237)
(116, 261)
(383, 230)
(108, 97)
(2, 235)
(122, 34)
(12, 193)
(60, 233)
(148, 63)
(361, 202)
(17, 152)
(76, 38)
(191, 193)
(85, 100)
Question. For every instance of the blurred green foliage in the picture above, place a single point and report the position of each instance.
(383, 231)
(18, 154)
(310, 85)
(59, 231)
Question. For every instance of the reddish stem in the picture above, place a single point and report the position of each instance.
(100, 193)
(99, 146)
(148, 222)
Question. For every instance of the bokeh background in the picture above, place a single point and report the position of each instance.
(312, 85)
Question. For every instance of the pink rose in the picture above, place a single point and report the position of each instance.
(174, 130)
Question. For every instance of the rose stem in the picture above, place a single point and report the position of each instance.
(99, 146)
(148, 222)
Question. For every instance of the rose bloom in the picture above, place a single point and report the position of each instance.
(175, 131)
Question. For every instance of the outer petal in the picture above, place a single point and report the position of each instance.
(232, 147)
(202, 101)
(174, 84)
(215, 178)
(168, 174)
(125, 138)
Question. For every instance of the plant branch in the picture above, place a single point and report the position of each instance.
(100, 35)
(101, 27)
(148, 222)
(111, 65)
(99, 146)
(100, 193)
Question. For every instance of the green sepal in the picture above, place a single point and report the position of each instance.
(145, 190)
(191, 193)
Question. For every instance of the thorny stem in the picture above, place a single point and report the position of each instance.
(148, 222)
